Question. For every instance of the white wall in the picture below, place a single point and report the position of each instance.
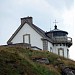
(55, 48)
(50, 45)
(64, 47)
(35, 38)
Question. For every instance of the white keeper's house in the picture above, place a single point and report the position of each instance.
(55, 40)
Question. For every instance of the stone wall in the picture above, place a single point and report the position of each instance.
(24, 45)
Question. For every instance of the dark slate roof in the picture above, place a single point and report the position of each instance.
(37, 29)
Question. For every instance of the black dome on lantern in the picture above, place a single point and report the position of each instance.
(57, 32)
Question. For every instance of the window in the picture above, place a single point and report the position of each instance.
(67, 53)
(51, 49)
(59, 34)
(26, 38)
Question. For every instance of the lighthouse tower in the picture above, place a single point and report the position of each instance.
(61, 42)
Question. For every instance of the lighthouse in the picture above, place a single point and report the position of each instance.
(61, 41)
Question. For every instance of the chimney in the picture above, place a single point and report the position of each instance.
(27, 19)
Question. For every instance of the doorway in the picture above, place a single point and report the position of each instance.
(61, 52)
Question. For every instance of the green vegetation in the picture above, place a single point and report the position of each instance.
(18, 61)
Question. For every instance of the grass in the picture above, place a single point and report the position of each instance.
(18, 61)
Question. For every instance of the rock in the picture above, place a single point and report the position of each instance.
(68, 71)
(41, 60)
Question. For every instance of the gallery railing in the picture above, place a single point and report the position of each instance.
(62, 39)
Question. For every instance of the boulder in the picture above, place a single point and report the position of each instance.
(41, 60)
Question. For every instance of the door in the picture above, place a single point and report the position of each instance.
(26, 38)
(61, 51)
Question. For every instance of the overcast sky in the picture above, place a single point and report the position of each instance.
(44, 12)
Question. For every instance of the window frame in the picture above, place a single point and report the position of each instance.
(24, 38)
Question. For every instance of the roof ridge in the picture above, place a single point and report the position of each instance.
(39, 28)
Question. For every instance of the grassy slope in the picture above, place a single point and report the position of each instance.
(18, 61)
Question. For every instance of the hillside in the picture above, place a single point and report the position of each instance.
(20, 61)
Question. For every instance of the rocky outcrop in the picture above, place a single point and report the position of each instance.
(65, 70)
(68, 71)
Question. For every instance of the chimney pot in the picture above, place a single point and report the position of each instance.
(27, 19)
